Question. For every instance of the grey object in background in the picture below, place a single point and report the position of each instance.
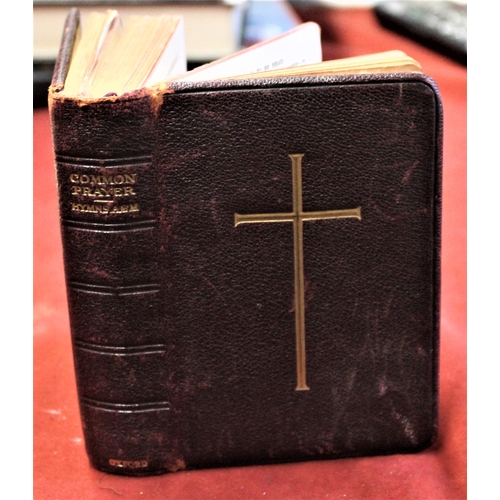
(440, 25)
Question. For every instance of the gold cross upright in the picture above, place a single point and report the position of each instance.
(297, 217)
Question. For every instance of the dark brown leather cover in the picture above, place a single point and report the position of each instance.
(68, 42)
(183, 325)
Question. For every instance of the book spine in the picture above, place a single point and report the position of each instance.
(108, 201)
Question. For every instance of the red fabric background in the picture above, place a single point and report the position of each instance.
(61, 468)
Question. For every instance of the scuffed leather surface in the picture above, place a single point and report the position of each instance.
(61, 467)
(225, 308)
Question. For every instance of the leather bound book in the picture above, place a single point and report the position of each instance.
(252, 268)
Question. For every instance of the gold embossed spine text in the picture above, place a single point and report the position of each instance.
(103, 194)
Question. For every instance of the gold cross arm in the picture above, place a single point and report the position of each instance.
(297, 217)
(291, 216)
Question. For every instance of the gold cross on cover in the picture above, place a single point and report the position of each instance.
(297, 217)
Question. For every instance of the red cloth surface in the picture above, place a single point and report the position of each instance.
(61, 468)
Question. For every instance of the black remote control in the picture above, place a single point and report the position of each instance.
(439, 25)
